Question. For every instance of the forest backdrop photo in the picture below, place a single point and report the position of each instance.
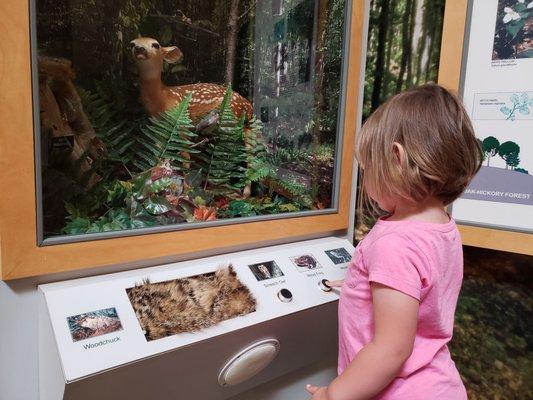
(493, 341)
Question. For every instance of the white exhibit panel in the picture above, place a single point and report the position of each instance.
(497, 89)
(96, 328)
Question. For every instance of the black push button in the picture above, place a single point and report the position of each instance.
(323, 284)
(285, 295)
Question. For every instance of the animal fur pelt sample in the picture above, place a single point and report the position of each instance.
(190, 304)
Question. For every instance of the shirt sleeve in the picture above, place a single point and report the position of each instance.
(395, 261)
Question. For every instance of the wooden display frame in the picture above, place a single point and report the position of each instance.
(20, 254)
(450, 69)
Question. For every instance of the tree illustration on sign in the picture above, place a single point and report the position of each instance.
(520, 103)
(509, 152)
(490, 147)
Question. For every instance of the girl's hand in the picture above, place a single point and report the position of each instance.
(337, 284)
(317, 393)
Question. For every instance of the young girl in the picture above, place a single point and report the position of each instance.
(418, 152)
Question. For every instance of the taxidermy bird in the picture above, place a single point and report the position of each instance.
(190, 304)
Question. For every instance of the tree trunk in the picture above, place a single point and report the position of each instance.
(406, 51)
(371, 25)
(322, 19)
(390, 43)
(251, 45)
(417, 33)
(423, 57)
(380, 58)
(437, 10)
(231, 41)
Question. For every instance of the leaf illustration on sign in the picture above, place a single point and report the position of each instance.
(520, 103)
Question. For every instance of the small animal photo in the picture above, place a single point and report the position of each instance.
(266, 270)
(94, 323)
(305, 262)
(339, 256)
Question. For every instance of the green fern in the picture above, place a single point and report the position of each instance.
(259, 166)
(117, 133)
(167, 137)
(224, 160)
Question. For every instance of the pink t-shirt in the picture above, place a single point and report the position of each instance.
(425, 261)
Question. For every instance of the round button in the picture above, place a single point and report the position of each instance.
(285, 295)
(323, 284)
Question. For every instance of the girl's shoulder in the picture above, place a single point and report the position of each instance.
(410, 243)
(392, 257)
(409, 232)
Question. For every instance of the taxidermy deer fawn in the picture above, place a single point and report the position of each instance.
(157, 97)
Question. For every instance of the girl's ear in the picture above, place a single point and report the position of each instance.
(172, 54)
(399, 152)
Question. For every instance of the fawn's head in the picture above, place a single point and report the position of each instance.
(149, 55)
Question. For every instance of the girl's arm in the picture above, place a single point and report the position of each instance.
(378, 363)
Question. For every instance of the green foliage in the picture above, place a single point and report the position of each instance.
(403, 48)
(167, 136)
(259, 166)
(118, 134)
(258, 206)
(223, 159)
(141, 202)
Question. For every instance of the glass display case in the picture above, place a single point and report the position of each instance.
(149, 129)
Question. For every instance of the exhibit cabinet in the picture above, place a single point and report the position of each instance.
(199, 156)
(147, 134)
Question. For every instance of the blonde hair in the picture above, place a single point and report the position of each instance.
(442, 153)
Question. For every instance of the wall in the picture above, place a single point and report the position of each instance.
(18, 341)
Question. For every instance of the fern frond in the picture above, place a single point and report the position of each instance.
(116, 133)
(225, 156)
(167, 137)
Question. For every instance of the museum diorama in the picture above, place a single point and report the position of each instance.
(165, 113)
(192, 162)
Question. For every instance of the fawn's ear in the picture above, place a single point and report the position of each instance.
(172, 54)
